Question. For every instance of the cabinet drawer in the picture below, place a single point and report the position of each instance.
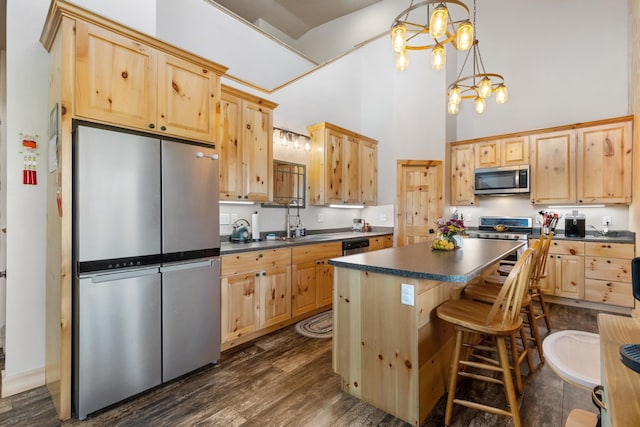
(602, 268)
(309, 253)
(376, 243)
(615, 250)
(246, 262)
(608, 292)
(568, 247)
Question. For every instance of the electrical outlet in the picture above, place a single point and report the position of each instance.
(406, 294)
(383, 218)
(606, 220)
(234, 217)
(224, 219)
(320, 217)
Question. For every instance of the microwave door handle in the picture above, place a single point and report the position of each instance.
(517, 179)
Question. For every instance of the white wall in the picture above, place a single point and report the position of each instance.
(27, 95)
(138, 14)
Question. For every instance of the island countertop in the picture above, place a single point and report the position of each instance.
(421, 262)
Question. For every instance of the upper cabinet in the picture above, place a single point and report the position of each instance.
(462, 175)
(245, 125)
(605, 163)
(589, 164)
(120, 80)
(342, 166)
(502, 152)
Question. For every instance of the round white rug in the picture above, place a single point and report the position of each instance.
(318, 326)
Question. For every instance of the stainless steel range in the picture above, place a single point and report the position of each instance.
(504, 228)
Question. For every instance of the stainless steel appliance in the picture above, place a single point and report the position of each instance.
(511, 228)
(146, 261)
(355, 246)
(502, 180)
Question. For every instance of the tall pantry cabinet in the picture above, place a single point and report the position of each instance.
(104, 72)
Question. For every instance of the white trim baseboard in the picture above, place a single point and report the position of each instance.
(22, 382)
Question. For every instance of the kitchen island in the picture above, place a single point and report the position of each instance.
(389, 347)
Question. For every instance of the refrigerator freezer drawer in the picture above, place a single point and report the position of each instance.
(117, 338)
(190, 316)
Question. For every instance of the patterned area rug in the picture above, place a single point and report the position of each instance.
(318, 326)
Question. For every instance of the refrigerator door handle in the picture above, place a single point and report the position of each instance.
(187, 265)
(108, 277)
(200, 155)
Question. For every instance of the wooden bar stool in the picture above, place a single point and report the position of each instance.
(475, 320)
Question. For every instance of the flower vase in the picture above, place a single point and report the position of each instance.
(456, 240)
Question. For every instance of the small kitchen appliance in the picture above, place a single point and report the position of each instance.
(240, 233)
(358, 224)
(574, 225)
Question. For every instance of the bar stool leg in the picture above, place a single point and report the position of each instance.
(516, 360)
(509, 391)
(533, 326)
(453, 377)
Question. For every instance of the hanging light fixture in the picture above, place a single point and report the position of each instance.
(292, 139)
(434, 34)
(477, 86)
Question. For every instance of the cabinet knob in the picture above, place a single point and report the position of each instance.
(151, 126)
(608, 261)
(260, 255)
(264, 273)
(239, 196)
(257, 274)
(246, 197)
(163, 128)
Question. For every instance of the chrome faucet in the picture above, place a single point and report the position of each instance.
(287, 222)
(602, 233)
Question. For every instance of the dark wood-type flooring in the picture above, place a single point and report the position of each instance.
(285, 379)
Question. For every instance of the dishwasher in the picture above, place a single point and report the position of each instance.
(355, 246)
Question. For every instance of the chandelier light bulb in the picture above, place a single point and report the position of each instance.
(439, 21)
(438, 57)
(402, 61)
(399, 38)
(464, 36)
(502, 95)
(484, 88)
(296, 143)
(455, 96)
(481, 105)
(453, 108)
(307, 146)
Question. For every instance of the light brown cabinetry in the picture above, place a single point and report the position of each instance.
(255, 292)
(604, 163)
(608, 273)
(462, 175)
(312, 285)
(590, 164)
(245, 135)
(553, 167)
(122, 81)
(565, 270)
(380, 242)
(340, 163)
(502, 152)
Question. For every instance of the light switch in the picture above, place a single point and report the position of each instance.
(407, 294)
(224, 219)
(383, 218)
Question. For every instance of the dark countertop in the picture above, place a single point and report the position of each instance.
(420, 261)
(312, 238)
(614, 236)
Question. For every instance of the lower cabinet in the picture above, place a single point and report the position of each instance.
(255, 292)
(380, 242)
(591, 271)
(312, 285)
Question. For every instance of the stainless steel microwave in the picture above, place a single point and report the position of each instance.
(502, 180)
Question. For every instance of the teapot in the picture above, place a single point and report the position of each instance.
(240, 233)
(500, 228)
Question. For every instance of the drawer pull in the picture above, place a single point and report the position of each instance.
(608, 261)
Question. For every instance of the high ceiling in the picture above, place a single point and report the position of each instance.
(293, 17)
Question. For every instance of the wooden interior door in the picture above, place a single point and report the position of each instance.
(419, 199)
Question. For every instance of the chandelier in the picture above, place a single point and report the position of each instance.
(478, 86)
(438, 31)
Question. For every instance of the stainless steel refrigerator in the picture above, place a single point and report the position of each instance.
(146, 250)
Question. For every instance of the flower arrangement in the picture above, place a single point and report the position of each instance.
(452, 227)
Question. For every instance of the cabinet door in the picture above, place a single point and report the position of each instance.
(257, 145)
(324, 279)
(553, 167)
(609, 292)
(487, 154)
(275, 296)
(376, 243)
(368, 173)
(548, 281)
(462, 178)
(304, 287)
(230, 143)
(115, 79)
(352, 170)
(187, 97)
(604, 163)
(239, 305)
(334, 156)
(569, 276)
(514, 151)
